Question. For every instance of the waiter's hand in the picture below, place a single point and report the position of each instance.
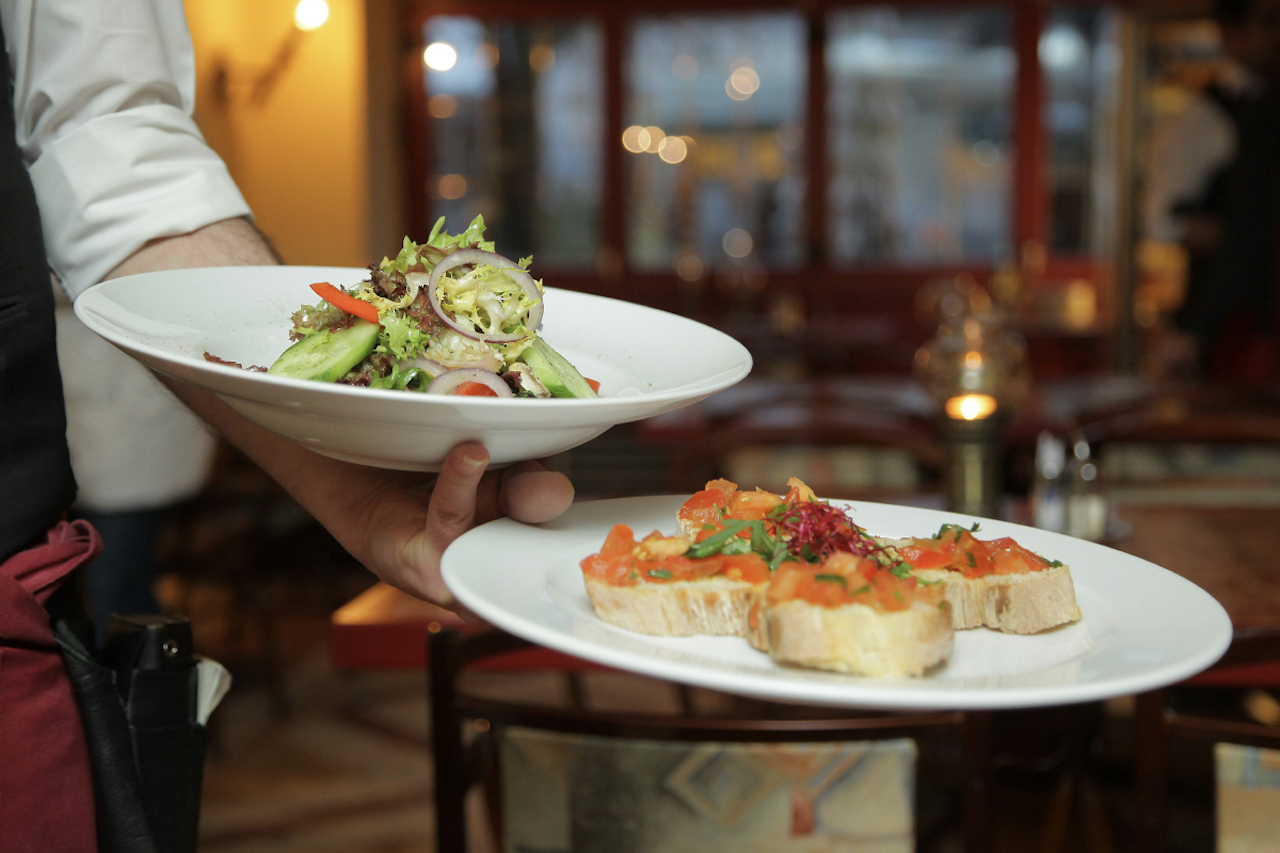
(408, 519)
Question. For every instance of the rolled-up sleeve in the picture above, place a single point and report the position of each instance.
(103, 99)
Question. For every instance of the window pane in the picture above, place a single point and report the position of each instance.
(1080, 57)
(516, 113)
(921, 114)
(714, 115)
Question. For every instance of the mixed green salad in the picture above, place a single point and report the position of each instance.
(448, 316)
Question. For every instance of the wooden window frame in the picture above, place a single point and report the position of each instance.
(883, 289)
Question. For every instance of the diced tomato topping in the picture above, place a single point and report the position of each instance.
(928, 553)
(619, 543)
(961, 551)
(624, 562)
(595, 386)
(613, 563)
(704, 507)
(749, 567)
(848, 579)
(750, 506)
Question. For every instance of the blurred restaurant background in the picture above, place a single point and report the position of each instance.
(849, 189)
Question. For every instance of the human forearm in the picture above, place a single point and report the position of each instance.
(396, 523)
(236, 242)
(231, 242)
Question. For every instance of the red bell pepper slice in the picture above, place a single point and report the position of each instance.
(346, 302)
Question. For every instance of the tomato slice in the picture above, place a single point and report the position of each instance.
(595, 386)
(345, 301)
(475, 389)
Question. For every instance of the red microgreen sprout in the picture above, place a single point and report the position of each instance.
(815, 530)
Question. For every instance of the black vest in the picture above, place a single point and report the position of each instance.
(1239, 276)
(36, 484)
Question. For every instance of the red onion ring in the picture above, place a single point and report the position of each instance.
(514, 271)
(434, 368)
(448, 382)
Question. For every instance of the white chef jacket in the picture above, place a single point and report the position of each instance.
(103, 98)
(1188, 149)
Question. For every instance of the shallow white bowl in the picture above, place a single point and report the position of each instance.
(648, 362)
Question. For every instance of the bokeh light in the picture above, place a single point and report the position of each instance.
(745, 81)
(452, 187)
(309, 14)
(542, 57)
(635, 139)
(689, 266)
(656, 135)
(440, 56)
(673, 149)
(442, 106)
(737, 243)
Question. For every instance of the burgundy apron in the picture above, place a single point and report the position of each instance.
(46, 791)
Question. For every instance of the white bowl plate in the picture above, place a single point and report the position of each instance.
(1143, 626)
(647, 361)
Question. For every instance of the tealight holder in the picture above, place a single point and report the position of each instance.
(976, 369)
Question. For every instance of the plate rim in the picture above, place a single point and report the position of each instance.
(869, 693)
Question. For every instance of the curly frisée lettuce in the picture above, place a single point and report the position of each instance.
(420, 258)
(445, 305)
(488, 299)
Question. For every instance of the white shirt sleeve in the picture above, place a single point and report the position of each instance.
(1187, 150)
(103, 97)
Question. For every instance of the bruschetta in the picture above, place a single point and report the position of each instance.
(996, 583)
(851, 614)
(653, 587)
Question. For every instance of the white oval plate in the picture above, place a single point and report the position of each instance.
(647, 361)
(1143, 626)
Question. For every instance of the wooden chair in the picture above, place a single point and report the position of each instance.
(460, 765)
(1252, 661)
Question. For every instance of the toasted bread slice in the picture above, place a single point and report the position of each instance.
(859, 639)
(717, 606)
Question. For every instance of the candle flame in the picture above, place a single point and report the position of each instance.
(971, 407)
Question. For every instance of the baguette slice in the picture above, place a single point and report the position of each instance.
(717, 606)
(859, 639)
(1026, 603)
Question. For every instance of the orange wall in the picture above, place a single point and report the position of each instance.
(301, 157)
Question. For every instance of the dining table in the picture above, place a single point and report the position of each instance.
(1229, 551)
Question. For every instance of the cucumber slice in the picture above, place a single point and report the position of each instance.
(328, 356)
(560, 377)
